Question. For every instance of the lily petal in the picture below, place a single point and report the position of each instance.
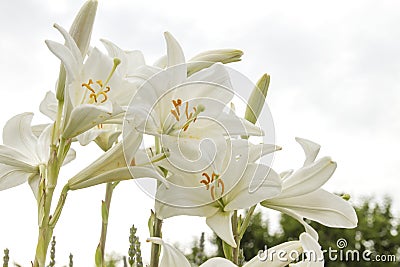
(114, 175)
(220, 223)
(313, 250)
(135, 60)
(85, 117)
(218, 262)
(310, 148)
(43, 144)
(17, 133)
(320, 206)
(14, 158)
(177, 200)
(65, 55)
(70, 43)
(258, 151)
(71, 155)
(174, 51)
(213, 82)
(170, 257)
(112, 159)
(272, 259)
(34, 181)
(175, 59)
(311, 231)
(48, 106)
(11, 177)
(242, 196)
(309, 178)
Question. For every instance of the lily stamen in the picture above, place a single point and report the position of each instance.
(103, 88)
(213, 179)
(192, 116)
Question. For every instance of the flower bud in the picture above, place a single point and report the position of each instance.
(81, 32)
(257, 99)
(207, 58)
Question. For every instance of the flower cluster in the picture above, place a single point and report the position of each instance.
(203, 155)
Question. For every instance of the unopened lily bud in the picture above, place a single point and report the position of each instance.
(96, 172)
(207, 58)
(81, 29)
(81, 32)
(257, 99)
(112, 167)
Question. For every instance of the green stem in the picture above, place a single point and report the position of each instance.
(155, 249)
(48, 183)
(246, 221)
(235, 251)
(157, 227)
(104, 226)
(60, 205)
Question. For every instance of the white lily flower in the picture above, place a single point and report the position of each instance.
(217, 191)
(103, 134)
(95, 91)
(183, 111)
(24, 157)
(172, 257)
(302, 196)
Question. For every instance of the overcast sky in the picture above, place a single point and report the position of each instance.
(335, 79)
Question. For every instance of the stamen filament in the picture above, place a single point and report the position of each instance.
(193, 117)
(117, 61)
(104, 89)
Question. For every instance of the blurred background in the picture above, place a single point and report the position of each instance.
(335, 80)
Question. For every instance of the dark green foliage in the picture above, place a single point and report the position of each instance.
(6, 257)
(71, 260)
(198, 255)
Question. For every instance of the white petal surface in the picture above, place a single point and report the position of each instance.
(320, 206)
(310, 148)
(174, 51)
(85, 117)
(13, 158)
(220, 223)
(242, 196)
(119, 174)
(70, 43)
(17, 133)
(218, 262)
(48, 106)
(171, 257)
(309, 178)
(72, 66)
(313, 252)
(11, 177)
(43, 145)
(34, 181)
(176, 200)
(258, 151)
(272, 259)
